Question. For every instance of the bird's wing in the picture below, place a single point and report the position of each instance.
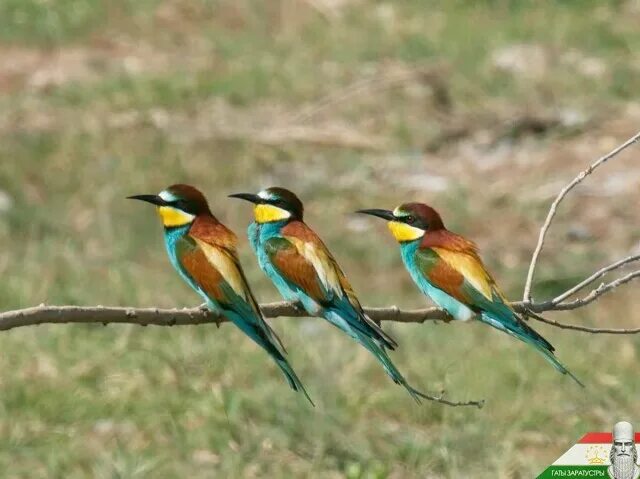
(306, 267)
(460, 274)
(303, 260)
(215, 268)
(388, 341)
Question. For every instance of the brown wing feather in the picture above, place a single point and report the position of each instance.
(458, 260)
(297, 269)
(304, 273)
(299, 230)
(208, 232)
(448, 280)
(203, 273)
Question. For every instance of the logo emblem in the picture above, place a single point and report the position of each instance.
(597, 455)
(623, 455)
(600, 455)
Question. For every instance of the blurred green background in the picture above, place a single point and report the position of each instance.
(483, 109)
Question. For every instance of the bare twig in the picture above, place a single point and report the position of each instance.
(596, 293)
(554, 206)
(587, 329)
(595, 276)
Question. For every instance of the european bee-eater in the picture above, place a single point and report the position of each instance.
(203, 251)
(303, 270)
(447, 268)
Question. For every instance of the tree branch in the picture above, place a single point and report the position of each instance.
(47, 314)
(44, 314)
(554, 207)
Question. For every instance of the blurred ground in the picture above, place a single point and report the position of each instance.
(483, 109)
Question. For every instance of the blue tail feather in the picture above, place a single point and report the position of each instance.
(292, 378)
(559, 366)
(377, 349)
(258, 336)
(510, 324)
(358, 321)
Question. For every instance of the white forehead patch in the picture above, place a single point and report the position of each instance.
(265, 195)
(397, 212)
(167, 196)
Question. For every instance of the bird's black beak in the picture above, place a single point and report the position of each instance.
(153, 199)
(247, 197)
(384, 214)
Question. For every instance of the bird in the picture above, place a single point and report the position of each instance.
(303, 270)
(203, 252)
(447, 268)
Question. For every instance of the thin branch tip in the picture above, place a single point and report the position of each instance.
(554, 207)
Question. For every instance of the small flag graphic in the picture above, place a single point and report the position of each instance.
(589, 458)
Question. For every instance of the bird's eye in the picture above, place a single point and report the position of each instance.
(410, 219)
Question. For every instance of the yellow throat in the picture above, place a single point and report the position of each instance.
(172, 217)
(404, 232)
(267, 213)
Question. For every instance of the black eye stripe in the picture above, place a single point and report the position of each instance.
(294, 208)
(414, 221)
(183, 206)
(279, 203)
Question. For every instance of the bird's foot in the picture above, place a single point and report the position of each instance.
(448, 318)
(206, 310)
(298, 308)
